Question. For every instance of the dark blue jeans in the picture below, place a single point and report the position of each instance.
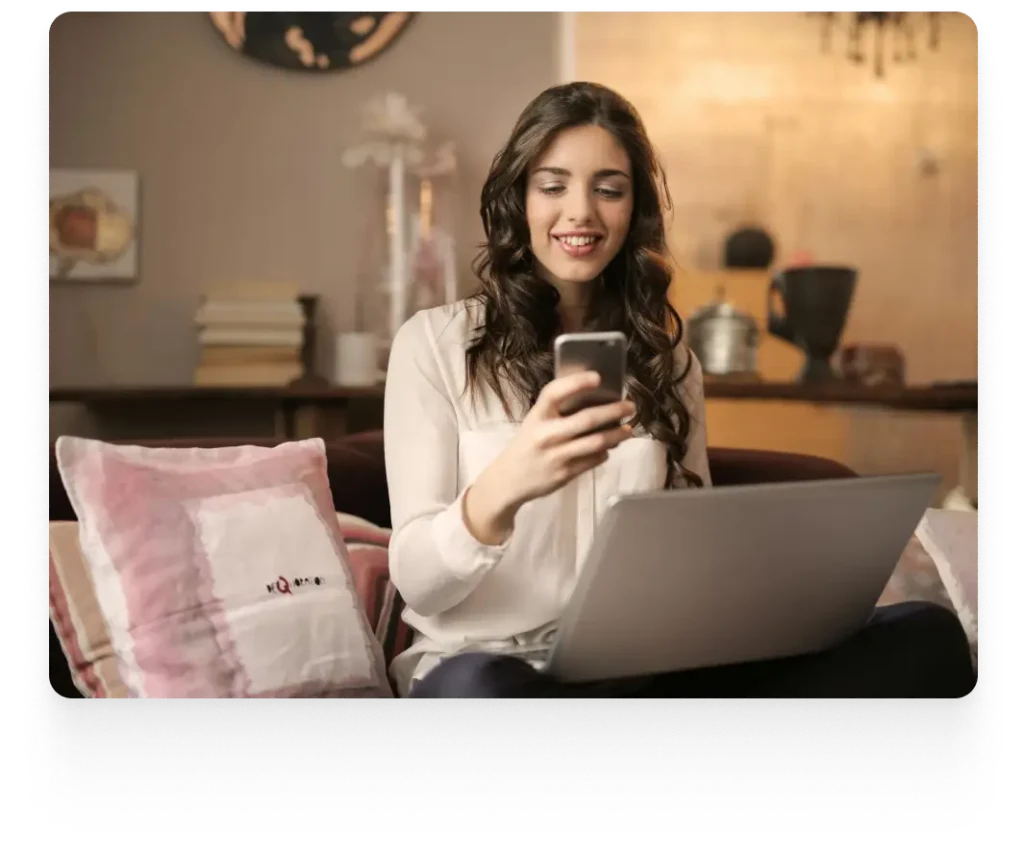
(906, 650)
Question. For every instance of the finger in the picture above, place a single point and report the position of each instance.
(552, 394)
(587, 421)
(593, 443)
(580, 465)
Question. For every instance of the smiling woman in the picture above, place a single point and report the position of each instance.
(496, 491)
(310, 41)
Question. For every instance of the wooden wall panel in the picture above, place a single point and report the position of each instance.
(755, 123)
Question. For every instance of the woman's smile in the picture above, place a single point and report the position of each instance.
(578, 244)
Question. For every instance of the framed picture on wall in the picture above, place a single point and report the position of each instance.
(94, 225)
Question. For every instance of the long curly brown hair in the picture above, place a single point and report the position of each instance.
(512, 349)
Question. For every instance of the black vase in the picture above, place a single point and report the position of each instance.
(816, 300)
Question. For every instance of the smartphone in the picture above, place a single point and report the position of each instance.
(601, 351)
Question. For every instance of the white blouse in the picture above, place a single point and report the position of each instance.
(462, 594)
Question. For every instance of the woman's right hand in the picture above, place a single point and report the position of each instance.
(546, 454)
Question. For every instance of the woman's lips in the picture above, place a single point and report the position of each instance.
(578, 246)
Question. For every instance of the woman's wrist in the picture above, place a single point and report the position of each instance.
(487, 510)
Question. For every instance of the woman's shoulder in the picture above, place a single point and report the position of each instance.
(691, 386)
(434, 341)
(686, 359)
(445, 327)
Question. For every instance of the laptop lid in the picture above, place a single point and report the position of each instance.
(683, 579)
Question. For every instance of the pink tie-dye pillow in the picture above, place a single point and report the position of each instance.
(221, 572)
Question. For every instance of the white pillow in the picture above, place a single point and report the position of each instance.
(221, 571)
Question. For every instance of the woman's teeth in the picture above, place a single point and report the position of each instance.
(577, 241)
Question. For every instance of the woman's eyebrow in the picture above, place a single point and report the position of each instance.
(600, 174)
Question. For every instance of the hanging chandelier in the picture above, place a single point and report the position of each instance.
(895, 32)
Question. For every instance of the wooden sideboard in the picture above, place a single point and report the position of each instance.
(951, 397)
(299, 405)
(777, 415)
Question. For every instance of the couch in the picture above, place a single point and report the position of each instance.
(359, 487)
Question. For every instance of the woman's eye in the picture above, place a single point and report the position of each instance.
(606, 193)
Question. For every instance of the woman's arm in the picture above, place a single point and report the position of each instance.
(435, 562)
(692, 393)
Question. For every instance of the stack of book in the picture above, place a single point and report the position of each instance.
(251, 335)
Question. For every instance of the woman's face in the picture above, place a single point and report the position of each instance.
(579, 199)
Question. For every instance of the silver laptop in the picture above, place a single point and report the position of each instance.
(695, 578)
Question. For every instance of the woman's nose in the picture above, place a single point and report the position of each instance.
(578, 206)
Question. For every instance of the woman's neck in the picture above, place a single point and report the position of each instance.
(573, 295)
(573, 300)
(571, 319)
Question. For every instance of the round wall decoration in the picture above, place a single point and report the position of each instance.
(311, 41)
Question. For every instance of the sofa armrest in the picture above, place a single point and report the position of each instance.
(733, 466)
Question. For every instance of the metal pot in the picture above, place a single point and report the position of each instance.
(724, 338)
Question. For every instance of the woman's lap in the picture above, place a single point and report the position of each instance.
(905, 650)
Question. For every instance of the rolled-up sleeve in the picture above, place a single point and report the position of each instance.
(692, 394)
(434, 561)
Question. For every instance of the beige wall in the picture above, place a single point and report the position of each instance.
(240, 178)
(240, 170)
(754, 122)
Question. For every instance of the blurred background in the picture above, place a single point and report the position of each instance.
(225, 190)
